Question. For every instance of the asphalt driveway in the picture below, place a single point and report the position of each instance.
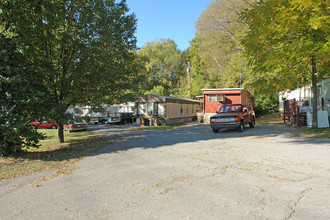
(190, 173)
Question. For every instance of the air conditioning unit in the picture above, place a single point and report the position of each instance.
(221, 98)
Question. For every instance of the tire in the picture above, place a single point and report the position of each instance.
(53, 127)
(253, 123)
(241, 127)
(215, 130)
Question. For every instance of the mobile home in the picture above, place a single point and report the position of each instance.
(154, 109)
(213, 99)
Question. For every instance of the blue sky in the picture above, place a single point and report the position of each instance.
(163, 19)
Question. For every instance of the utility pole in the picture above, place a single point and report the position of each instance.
(240, 71)
(189, 79)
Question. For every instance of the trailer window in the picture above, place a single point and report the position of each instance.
(216, 98)
(152, 108)
(149, 108)
(212, 98)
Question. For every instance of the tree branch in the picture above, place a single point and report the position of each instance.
(215, 59)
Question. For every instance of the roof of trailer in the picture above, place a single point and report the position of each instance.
(164, 98)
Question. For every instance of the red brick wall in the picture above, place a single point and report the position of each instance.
(247, 99)
(232, 97)
(212, 107)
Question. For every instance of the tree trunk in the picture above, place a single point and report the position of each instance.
(314, 94)
(60, 132)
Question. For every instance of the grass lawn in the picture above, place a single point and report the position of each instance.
(51, 155)
(302, 131)
(314, 133)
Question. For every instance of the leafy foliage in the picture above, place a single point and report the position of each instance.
(163, 65)
(20, 96)
(219, 31)
(196, 76)
(283, 39)
(263, 102)
(82, 49)
(159, 90)
(288, 44)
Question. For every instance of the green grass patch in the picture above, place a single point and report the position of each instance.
(314, 132)
(302, 131)
(52, 137)
(51, 155)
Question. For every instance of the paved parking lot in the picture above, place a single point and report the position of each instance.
(189, 173)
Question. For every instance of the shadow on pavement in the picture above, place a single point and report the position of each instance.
(125, 139)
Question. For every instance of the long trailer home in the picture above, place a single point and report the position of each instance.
(304, 99)
(156, 109)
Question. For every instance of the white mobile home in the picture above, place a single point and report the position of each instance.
(303, 96)
(150, 109)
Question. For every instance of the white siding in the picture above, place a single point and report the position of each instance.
(142, 108)
(161, 109)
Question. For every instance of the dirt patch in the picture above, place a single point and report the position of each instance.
(274, 118)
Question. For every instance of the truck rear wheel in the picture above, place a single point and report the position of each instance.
(253, 123)
(241, 127)
(215, 130)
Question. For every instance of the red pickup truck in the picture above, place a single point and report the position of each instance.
(232, 117)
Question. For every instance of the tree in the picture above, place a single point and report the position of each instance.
(288, 44)
(83, 49)
(20, 98)
(219, 31)
(196, 75)
(163, 65)
(159, 90)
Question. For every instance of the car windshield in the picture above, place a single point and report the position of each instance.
(230, 108)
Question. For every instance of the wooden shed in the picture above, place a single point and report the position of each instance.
(156, 109)
(213, 99)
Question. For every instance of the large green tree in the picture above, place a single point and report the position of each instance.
(288, 44)
(82, 48)
(194, 79)
(219, 30)
(21, 96)
(162, 66)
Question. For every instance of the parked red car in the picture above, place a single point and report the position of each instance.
(44, 124)
(77, 126)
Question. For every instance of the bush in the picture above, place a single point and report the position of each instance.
(264, 102)
(15, 134)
